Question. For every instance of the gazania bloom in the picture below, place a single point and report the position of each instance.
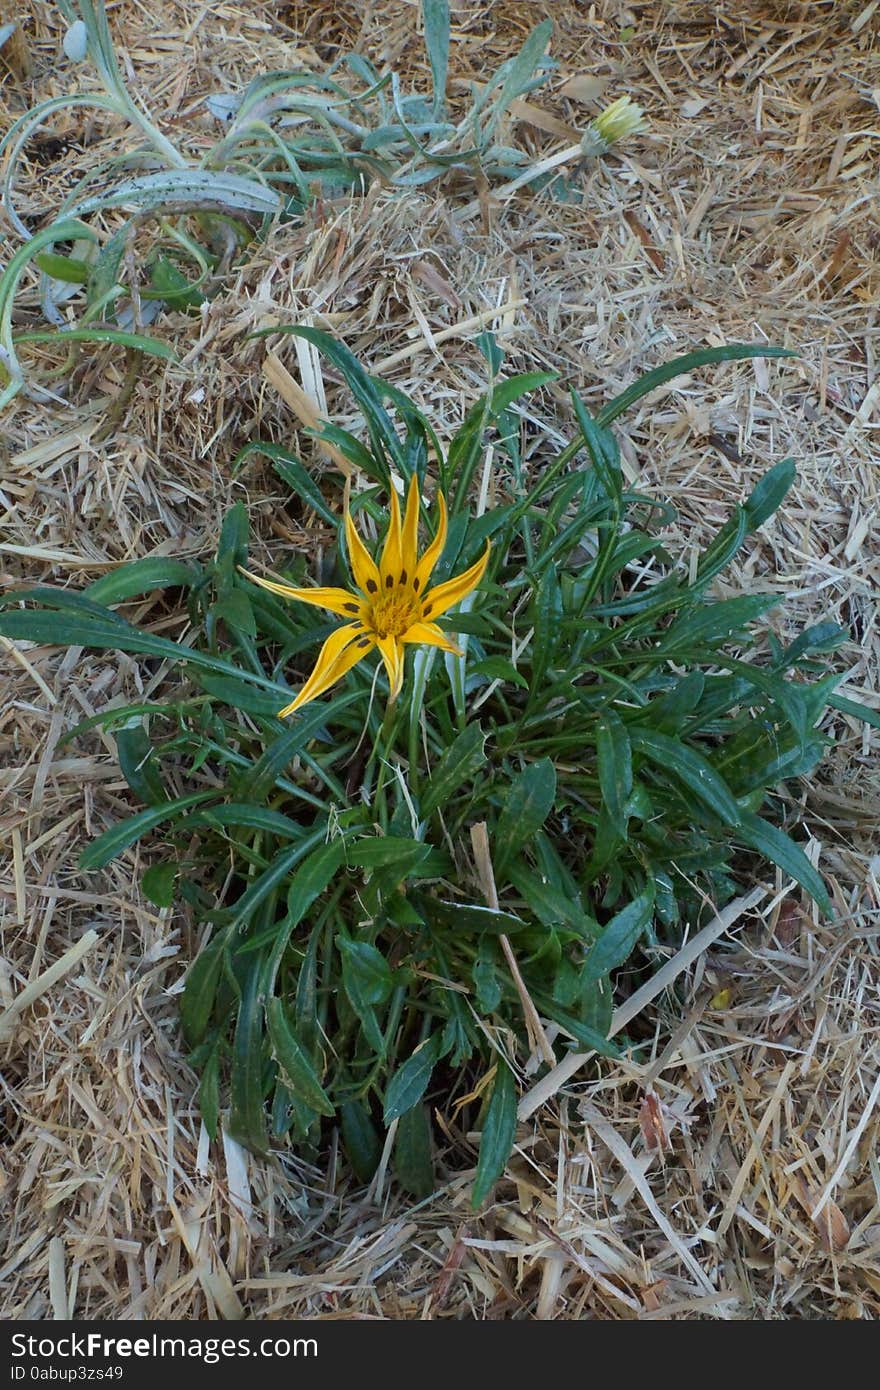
(622, 118)
(392, 605)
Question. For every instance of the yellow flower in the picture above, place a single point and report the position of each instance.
(394, 606)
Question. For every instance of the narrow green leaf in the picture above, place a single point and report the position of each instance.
(292, 470)
(203, 977)
(436, 20)
(312, 877)
(241, 815)
(95, 334)
(141, 577)
(470, 917)
(247, 1120)
(378, 850)
(296, 1066)
(618, 938)
(410, 1081)
(360, 1138)
(413, 1163)
(529, 802)
(780, 849)
(65, 268)
(158, 884)
(499, 1128)
(504, 393)
(690, 767)
(209, 1093)
(138, 765)
(118, 838)
(679, 366)
(614, 765)
(461, 761)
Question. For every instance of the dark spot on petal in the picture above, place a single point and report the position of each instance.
(427, 608)
(389, 581)
(403, 576)
(364, 642)
(371, 586)
(416, 583)
(351, 607)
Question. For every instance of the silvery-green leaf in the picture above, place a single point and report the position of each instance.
(6, 31)
(224, 106)
(76, 42)
(185, 186)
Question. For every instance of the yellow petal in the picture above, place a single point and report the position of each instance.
(410, 540)
(363, 567)
(430, 635)
(438, 600)
(425, 567)
(391, 562)
(343, 649)
(334, 600)
(392, 654)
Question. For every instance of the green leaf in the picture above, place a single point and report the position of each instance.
(291, 469)
(461, 761)
(519, 71)
(141, 577)
(71, 624)
(856, 710)
(202, 187)
(529, 802)
(361, 1139)
(158, 884)
(272, 878)
(312, 877)
(235, 610)
(296, 1066)
(498, 668)
(137, 764)
(436, 20)
(769, 493)
(504, 393)
(410, 1081)
(470, 917)
(547, 621)
(383, 435)
(258, 779)
(65, 268)
(243, 816)
(203, 977)
(367, 969)
(499, 1128)
(377, 851)
(485, 976)
(714, 622)
(614, 765)
(550, 902)
(368, 982)
(413, 1163)
(119, 837)
(209, 1093)
(690, 767)
(139, 341)
(247, 1120)
(679, 366)
(618, 938)
(780, 849)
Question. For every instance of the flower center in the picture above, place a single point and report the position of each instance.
(393, 614)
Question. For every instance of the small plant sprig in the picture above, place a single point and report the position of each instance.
(591, 721)
(177, 219)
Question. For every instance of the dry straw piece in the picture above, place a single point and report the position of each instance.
(746, 212)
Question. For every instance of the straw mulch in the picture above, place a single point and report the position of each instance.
(735, 1176)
